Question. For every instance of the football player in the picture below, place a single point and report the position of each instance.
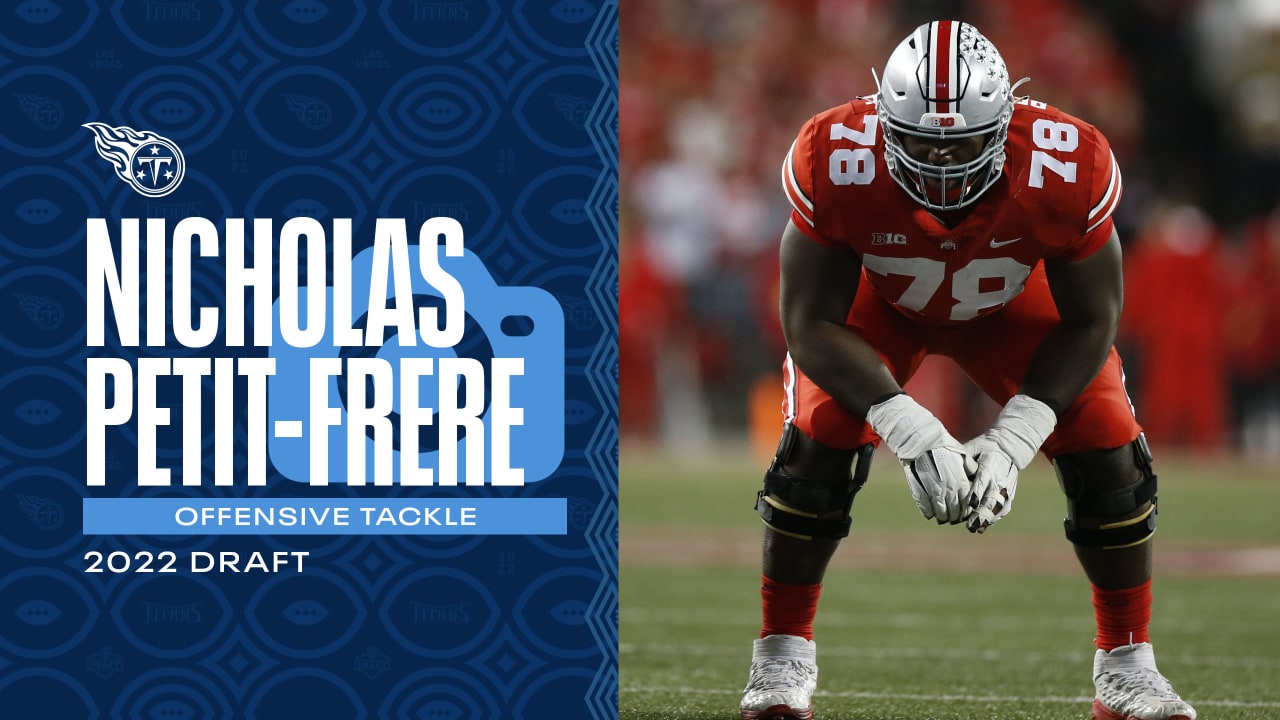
(946, 215)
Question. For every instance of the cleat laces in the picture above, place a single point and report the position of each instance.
(783, 677)
(1129, 685)
(780, 677)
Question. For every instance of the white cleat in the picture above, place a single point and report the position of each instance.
(1130, 688)
(784, 674)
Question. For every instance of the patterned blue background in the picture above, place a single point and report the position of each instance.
(501, 115)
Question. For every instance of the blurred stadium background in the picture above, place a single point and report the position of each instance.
(1188, 92)
(919, 621)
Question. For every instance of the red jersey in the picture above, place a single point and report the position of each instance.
(1059, 187)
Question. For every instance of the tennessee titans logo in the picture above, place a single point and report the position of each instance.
(572, 107)
(43, 512)
(45, 112)
(151, 164)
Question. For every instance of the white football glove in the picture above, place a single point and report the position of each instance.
(936, 465)
(1004, 450)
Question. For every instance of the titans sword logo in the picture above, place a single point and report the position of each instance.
(151, 164)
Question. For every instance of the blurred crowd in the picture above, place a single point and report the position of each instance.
(714, 91)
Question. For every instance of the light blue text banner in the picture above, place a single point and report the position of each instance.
(327, 516)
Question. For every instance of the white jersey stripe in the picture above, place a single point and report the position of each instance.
(1111, 188)
(1110, 199)
(797, 198)
(789, 388)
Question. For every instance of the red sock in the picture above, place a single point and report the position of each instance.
(788, 609)
(1122, 615)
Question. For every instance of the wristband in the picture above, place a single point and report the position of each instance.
(905, 426)
(1022, 427)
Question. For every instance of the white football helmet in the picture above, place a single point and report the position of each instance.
(945, 80)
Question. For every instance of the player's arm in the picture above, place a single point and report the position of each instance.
(818, 286)
(1087, 283)
(1089, 294)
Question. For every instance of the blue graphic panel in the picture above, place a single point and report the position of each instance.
(308, 371)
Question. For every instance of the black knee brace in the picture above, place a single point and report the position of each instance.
(805, 505)
(1097, 488)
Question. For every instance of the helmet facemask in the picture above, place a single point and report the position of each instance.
(944, 187)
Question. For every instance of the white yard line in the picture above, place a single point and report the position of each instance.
(689, 547)
(874, 653)
(626, 687)
(836, 618)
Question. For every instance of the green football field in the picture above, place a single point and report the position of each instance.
(925, 621)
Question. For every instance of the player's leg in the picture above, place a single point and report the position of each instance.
(1111, 517)
(805, 504)
(822, 460)
(1106, 473)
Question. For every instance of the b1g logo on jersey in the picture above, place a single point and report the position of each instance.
(151, 164)
(888, 239)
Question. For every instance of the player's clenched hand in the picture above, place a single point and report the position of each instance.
(939, 482)
(994, 484)
(1001, 453)
(936, 465)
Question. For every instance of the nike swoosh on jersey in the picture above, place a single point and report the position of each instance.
(996, 244)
